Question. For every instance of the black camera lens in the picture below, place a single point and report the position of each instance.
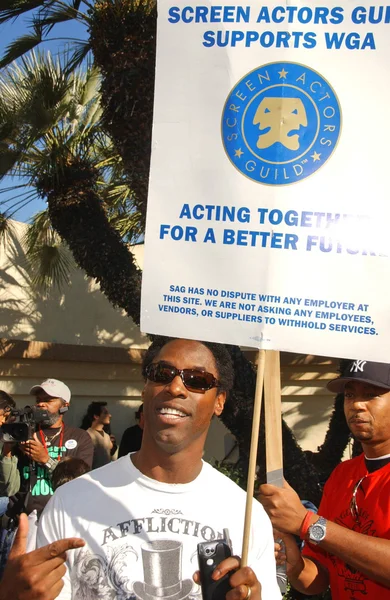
(18, 432)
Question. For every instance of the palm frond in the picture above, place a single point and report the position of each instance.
(6, 229)
(92, 85)
(52, 266)
(51, 16)
(46, 14)
(50, 260)
(129, 226)
(77, 57)
(9, 158)
(40, 232)
(20, 47)
(11, 9)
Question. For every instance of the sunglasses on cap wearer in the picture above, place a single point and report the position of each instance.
(353, 505)
(195, 380)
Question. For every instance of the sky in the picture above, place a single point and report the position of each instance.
(8, 33)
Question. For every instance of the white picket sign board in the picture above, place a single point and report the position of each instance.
(269, 197)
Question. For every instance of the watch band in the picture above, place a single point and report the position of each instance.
(50, 464)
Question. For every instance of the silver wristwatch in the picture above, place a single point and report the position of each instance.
(317, 531)
(50, 464)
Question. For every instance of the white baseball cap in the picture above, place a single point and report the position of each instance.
(54, 388)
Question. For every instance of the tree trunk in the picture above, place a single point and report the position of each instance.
(77, 215)
(123, 39)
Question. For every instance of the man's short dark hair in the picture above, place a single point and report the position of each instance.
(69, 468)
(6, 401)
(139, 411)
(219, 351)
(94, 410)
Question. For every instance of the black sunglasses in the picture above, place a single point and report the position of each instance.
(195, 380)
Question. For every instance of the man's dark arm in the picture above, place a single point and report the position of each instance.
(367, 554)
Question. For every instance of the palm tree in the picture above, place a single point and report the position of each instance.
(123, 39)
(50, 136)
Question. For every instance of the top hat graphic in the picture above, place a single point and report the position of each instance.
(162, 572)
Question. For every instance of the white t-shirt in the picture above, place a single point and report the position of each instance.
(141, 535)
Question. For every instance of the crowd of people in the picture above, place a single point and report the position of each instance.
(31, 470)
(128, 527)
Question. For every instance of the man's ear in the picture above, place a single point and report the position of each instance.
(64, 408)
(219, 403)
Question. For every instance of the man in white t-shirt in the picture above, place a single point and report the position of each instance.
(143, 516)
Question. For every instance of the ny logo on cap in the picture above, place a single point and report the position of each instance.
(358, 365)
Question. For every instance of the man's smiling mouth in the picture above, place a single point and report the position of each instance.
(171, 412)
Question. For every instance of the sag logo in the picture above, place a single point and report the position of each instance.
(281, 123)
(357, 366)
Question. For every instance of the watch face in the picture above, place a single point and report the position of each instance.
(317, 532)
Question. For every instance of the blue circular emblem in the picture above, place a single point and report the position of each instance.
(281, 123)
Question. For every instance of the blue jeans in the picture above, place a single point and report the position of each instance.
(6, 541)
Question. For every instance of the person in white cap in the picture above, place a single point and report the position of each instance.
(39, 456)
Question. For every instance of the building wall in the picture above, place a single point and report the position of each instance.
(77, 314)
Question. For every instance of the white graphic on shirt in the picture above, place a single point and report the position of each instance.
(110, 576)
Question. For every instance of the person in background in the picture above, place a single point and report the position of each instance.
(348, 542)
(26, 467)
(132, 436)
(11, 477)
(38, 457)
(67, 470)
(94, 421)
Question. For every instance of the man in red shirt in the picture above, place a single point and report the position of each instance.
(348, 541)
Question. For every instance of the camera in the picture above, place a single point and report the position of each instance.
(210, 554)
(23, 423)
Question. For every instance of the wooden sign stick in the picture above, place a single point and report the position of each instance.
(273, 419)
(273, 434)
(253, 455)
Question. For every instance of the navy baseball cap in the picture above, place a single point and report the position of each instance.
(362, 370)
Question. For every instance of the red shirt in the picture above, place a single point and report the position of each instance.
(373, 500)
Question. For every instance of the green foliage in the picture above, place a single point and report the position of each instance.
(49, 121)
(43, 16)
(50, 259)
(20, 47)
(232, 471)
